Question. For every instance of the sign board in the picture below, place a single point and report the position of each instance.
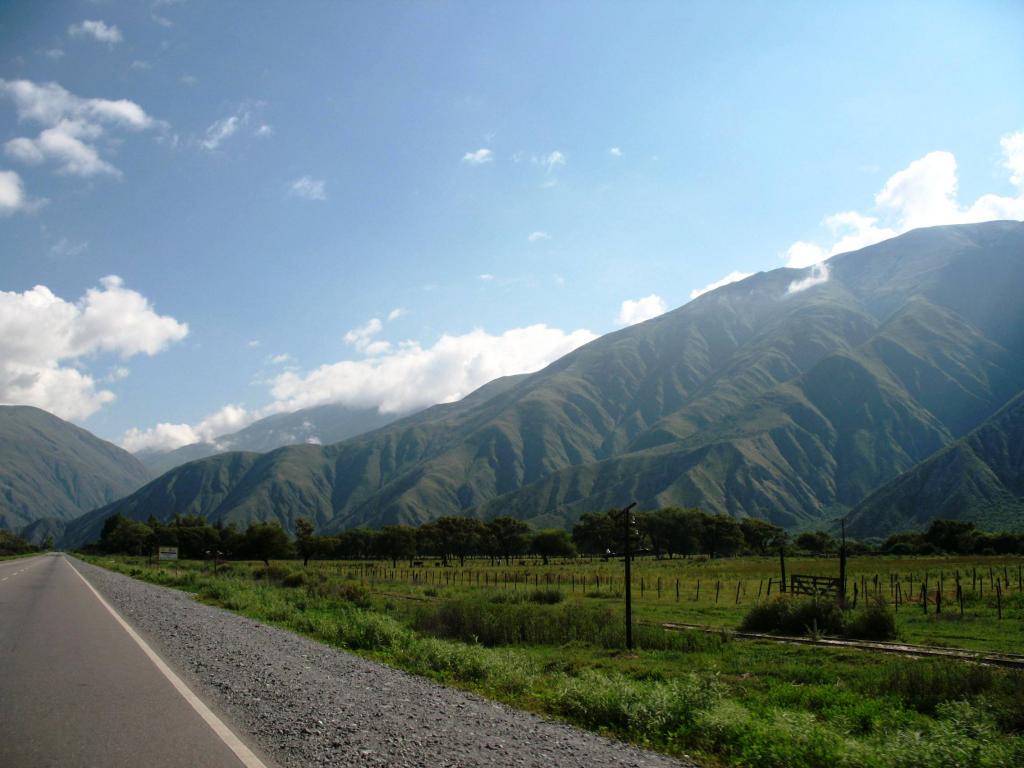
(168, 553)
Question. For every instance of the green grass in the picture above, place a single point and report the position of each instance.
(729, 703)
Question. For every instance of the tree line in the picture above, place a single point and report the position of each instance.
(669, 532)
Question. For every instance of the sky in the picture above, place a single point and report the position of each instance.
(215, 211)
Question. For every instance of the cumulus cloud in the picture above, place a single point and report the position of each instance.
(923, 194)
(97, 30)
(396, 313)
(73, 126)
(281, 359)
(167, 436)
(308, 188)
(818, 275)
(635, 311)
(485, 277)
(362, 336)
(12, 195)
(538, 236)
(615, 152)
(45, 339)
(411, 376)
(478, 157)
(732, 277)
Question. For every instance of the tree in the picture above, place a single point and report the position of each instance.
(508, 536)
(306, 543)
(760, 536)
(818, 542)
(355, 544)
(266, 542)
(721, 536)
(394, 542)
(124, 535)
(553, 542)
(457, 536)
(595, 533)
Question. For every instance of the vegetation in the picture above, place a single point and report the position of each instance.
(12, 545)
(728, 703)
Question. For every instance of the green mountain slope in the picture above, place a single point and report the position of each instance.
(750, 400)
(979, 478)
(50, 468)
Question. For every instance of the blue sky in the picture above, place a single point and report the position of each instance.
(269, 182)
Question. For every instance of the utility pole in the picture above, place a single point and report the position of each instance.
(842, 565)
(628, 523)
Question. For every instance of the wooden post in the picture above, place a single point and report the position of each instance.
(782, 568)
(999, 600)
(718, 586)
(677, 590)
(698, 591)
(738, 592)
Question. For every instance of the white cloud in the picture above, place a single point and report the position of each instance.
(166, 436)
(637, 310)
(411, 376)
(43, 338)
(54, 53)
(253, 343)
(552, 160)
(361, 337)
(189, 80)
(615, 152)
(1013, 157)
(479, 157)
(97, 30)
(485, 277)
(12, 195)
(280, 359)
(140, 64)
(817, 276)
(265, 131)
(308, 188)
(396, 313)
(72, 126)
(222, 130)
(921, 195)
(732, 277)
(536, 236)
(68, 249)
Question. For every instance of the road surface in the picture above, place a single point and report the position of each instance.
(77, 689)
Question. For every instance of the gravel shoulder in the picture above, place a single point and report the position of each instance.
(303, 703)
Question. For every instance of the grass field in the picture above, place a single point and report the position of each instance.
(552, 650)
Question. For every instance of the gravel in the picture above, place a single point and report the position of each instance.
(302, 703)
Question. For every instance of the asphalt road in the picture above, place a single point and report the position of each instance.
(77, 690)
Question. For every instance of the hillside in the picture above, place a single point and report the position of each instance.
(52, 469)
(750, 400)
(979, 479)
(323, 425)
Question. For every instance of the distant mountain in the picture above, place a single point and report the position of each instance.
(754, 399)
(52, 469)
(322, 424)
(979, 479)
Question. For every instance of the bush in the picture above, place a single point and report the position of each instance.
(874, 621)
(789, 616)
(546, 596)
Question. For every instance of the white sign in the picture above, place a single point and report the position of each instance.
(168, 553)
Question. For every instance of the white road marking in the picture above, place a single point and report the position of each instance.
(242, 752)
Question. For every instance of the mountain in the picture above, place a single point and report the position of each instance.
(52, 469)
(322, 424)
(754, 399)
(979, 478)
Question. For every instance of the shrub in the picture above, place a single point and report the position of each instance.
(788, 616)
(873, 621)
(295, 579)
(546, 596)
